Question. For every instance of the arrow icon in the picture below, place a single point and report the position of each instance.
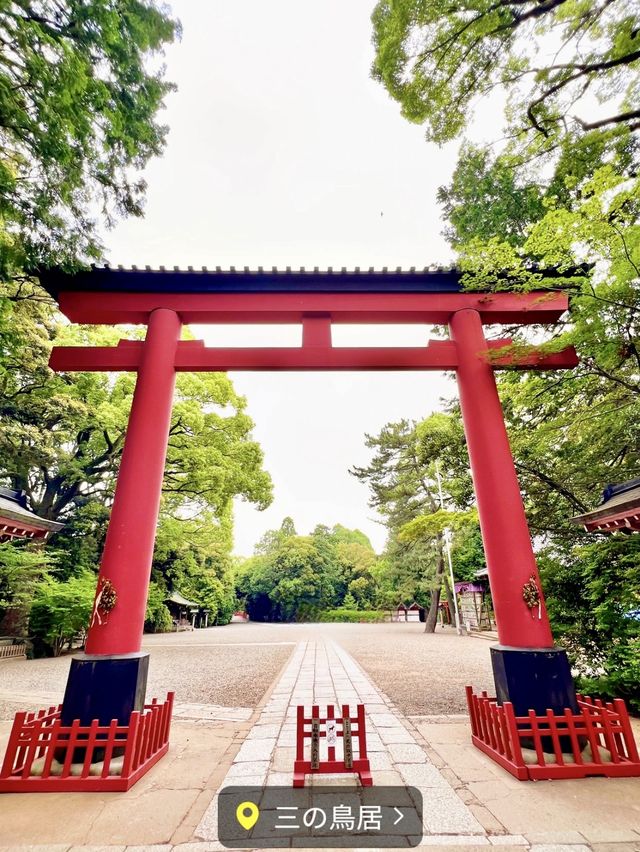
(400, 815)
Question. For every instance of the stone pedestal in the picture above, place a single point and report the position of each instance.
(105, 687)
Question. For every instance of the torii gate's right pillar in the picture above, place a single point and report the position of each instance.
(527, 669)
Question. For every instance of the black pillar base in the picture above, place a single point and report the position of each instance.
(533, 679)
(105, 687)
(536, 679)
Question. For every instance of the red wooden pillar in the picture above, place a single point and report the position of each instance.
(128, 550)
(505, 533)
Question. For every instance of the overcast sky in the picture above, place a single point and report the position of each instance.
(283, 152)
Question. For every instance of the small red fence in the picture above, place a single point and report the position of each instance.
(45, 756)
(597, 740)
(316, 727)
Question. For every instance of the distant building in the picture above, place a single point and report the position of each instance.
(413, 612)
(186, 614)
(474, 602)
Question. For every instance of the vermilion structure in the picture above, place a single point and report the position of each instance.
(165, 301)
(109, 679)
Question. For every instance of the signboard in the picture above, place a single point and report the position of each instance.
(330, 727)
(315, 744)
(348, 743)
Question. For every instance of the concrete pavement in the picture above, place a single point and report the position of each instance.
(469, 802)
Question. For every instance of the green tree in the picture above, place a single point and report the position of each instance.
(272, 539)
(559, 192)
(157, 617)
(486, 199)
(61, 435)
(593, 593)
(60, 612)
(81, 88)
(301, 577)
(347, 557)
(23, 567)
(191, 557)
(553, 59)
(61, 440)
(350, 602)
(403, 479)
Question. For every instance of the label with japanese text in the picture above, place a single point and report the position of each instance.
(322, 817)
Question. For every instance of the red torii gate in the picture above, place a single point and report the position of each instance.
(528, 669)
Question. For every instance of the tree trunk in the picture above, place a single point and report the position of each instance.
(432, 615)
(446, 582)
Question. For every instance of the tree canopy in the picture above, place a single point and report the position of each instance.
(61, 440)
(411, 463)
(61, 435)
(556, 60)
(80, 92)
(557, 188)
(295, 577)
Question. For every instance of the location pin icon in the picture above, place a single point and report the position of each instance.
(247, 815)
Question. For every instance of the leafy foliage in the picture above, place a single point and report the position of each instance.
(594, 601)
(79, 98)
(294, 577)
(562, 193)
(403, 477)
(22, 569)
(574, 433)
(157, 616)
(61, 440)
(61, 435)
(60, 612)
(352, 616)
(191, 557)
(553, 59)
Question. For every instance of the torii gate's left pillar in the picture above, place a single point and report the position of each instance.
(109, 680)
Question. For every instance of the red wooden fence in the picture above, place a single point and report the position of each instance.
(332, 765)
(45, 756)
(597, 740)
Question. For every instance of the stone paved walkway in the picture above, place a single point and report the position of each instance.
(470, 803)
(323, 673)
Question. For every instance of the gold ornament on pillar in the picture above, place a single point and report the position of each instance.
(106, 600)
(531, 596)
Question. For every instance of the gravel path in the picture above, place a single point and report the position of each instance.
(209, 673)
(234, 666)
(423, 674)
(227, 675)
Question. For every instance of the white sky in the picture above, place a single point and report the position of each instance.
(283, 152)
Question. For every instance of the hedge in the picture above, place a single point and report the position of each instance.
(352, 615)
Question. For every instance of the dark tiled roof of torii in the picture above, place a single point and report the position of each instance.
(437, 279)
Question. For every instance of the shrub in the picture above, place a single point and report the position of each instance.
(157, 618)
(351, 615)
(60, 612)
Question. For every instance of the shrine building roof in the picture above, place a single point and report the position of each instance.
(619, 509)
(18, 521)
